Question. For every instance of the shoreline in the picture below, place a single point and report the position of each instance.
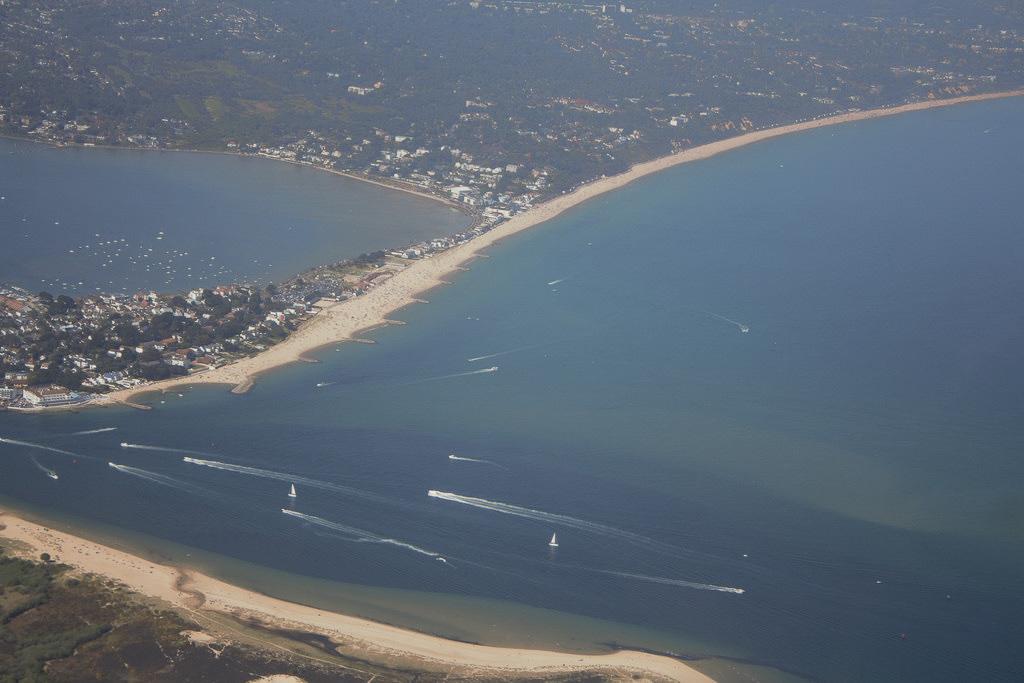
(208, 600)
(391, 185)
(343, 321)
(398, 186)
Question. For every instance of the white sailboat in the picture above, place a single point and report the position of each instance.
(291, 492)
(554, 541)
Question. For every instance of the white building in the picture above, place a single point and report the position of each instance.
(9, 393)
(50, 395)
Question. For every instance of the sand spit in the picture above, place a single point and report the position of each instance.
(200, 595)
(343, 321)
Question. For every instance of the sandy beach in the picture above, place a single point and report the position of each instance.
(343, 321)
(201, 596)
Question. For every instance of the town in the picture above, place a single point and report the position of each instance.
(349, 88)
(60, 351)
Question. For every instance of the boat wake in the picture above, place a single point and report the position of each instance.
(563, 520)
(293, 479)
(459, 458)
(29, 444)
(482, 371)
(43, 468)
(86, 432)
(672, 582)
(162, 449)
(321, 385)
(158, 478)
(505, 353)
(555, 282)
(360, 536)
(742, 328)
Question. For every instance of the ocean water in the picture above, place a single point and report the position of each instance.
(851, 461)
(81, 220)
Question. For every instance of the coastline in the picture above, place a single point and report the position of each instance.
(385, 315)
(344, 321)
(208, 601)
(391, 185)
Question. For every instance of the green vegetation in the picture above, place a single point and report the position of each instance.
(27, 642)
(56, 628)
(187, 108)
(215, 106)
(60, 629)
(567, 90)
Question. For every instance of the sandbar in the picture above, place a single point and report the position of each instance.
(203, 597)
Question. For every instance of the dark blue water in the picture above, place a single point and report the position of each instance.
(82, 220)
(852, 461)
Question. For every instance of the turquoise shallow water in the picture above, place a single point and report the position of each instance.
(80, 220)
(852, 461)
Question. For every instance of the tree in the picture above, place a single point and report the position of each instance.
(162, 326)
(154, 370)
(61, 305)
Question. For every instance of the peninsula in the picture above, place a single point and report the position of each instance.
(230, 614)
(628, 89)
(341, 321)
(233, 333)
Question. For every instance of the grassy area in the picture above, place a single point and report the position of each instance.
(58, 627)
(215, 106)
(33, 629)
(188, 109)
